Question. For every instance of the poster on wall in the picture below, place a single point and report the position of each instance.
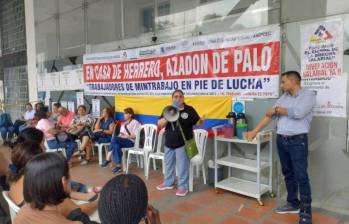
(71, 106)
(79, 98)
(322, 66)
(47, 98)
(243, 64)
(96, 108)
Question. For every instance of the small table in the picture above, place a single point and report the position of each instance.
(241, 186)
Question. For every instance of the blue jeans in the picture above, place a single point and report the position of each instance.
(78, 187)
(176, 157)
(69, 146)
(100, 140)
(115, 147)
(293, 153)
(22, 127)
(16, 126)
(5, 130)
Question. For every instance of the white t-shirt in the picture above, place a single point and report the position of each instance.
(29, 115)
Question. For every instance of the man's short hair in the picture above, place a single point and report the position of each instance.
(292, 74)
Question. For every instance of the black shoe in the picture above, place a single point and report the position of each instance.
(105, 163)
(117, 170)
(287, 209)
(305, 218)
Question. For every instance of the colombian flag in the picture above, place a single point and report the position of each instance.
(148, 108)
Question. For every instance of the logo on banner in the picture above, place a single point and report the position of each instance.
(321, 35)
(124, 54)
(147, 52)
(167, 48)
(162, 49)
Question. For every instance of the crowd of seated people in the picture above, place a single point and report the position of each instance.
(40, 183)
(46, 189)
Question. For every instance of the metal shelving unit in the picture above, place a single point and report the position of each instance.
(242, 186)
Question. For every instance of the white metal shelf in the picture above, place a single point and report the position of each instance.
(242, 163)
(253, 189)
(240, 186)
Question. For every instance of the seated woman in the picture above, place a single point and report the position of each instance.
(46, 190)
(54, 114)
(82, 124)
(126, 139)
(104, 127)
(124, 199)
(51, 134)
(20, 156)
(80, 191)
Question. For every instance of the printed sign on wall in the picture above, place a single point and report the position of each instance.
(322, 66)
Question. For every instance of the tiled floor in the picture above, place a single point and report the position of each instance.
(204, 205)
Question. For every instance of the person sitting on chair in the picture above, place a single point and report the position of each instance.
(6, 127)
(79, 191)
(25, 118)
(104, 127)
(125, 139)
(55, 114)
(80, 127)
(56, 138)
(65, 118)
(46, 189)
(124, 199)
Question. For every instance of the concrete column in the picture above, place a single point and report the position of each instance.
(31, 50)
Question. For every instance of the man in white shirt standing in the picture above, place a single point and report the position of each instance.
(293, 112)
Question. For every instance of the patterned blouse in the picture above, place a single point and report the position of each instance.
(86, 120)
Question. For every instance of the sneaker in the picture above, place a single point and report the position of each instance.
(84, 162)
(117, 170)
(181, 192)
(105, 163)
(287, 209)
(305, 218)
(163, 187)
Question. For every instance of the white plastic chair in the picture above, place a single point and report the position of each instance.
(159, 154)
(14, 209)
(149, 143)
(78, 141)
(200, 136)
(105, 146)
(48, 149)
(125, 152)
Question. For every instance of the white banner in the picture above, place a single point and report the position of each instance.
(322, 66)
(238, 64)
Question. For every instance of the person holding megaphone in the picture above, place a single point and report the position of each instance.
(178, 120)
